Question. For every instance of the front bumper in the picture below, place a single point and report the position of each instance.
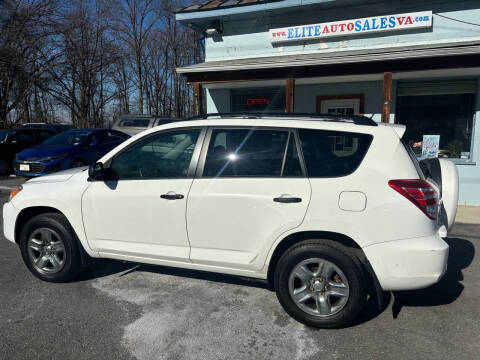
(37, 168)
(409, 264)
(10, 214)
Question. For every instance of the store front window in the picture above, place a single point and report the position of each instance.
(441, 111)
(341, 104)
(258, 100)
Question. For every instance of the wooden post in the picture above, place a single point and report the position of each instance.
(290, 95)
(198, 99)
(387, 96)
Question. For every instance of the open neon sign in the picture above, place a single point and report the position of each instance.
(258, 101)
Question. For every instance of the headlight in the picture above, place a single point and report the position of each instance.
(15, 192)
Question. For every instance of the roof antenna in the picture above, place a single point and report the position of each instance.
(381, 109)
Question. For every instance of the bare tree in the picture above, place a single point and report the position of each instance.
(134, 22)
(25, 55)
(85, 60)
(122, 81)
(88, 54)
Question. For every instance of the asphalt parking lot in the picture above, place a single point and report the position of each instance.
(130, 311)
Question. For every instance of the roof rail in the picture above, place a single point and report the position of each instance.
(353, 119)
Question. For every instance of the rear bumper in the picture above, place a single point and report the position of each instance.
(410, 263)
(10, 214)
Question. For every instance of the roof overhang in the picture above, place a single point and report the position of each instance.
(240, 8)
(400, 58)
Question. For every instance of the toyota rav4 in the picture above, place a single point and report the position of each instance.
(329, 210)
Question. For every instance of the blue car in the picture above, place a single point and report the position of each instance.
(69, 149)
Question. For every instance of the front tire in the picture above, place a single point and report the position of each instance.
(78, 163)
(4, 168)
(49, 248)
(321, 284)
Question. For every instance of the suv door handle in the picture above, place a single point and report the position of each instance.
(288, 200)
(170, 196)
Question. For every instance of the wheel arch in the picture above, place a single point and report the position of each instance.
(30, 212)
(339, 238)
(81, 158)
(297, 237)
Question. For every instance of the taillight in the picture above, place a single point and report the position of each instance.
(420, 193)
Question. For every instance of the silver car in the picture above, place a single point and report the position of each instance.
(133, 124)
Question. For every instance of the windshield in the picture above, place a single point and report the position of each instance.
(4, 134)
(67, 138)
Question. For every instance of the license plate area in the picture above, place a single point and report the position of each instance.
(24, 167)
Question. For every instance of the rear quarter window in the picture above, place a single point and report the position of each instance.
(333, 153)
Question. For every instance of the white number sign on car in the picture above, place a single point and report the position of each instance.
(328, 209)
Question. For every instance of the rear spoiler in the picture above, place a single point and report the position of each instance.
(399, 129)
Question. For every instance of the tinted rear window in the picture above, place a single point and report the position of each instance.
(333, 153)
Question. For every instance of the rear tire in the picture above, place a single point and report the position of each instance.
(50, 249)
(325, 279)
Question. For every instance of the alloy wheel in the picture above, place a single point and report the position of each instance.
(46, 251)
(318, 287)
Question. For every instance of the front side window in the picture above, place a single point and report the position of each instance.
(24, 138)
(248, 153)
(165, 155)
(333, 153)
(100, 137)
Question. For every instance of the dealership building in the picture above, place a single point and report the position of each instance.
(408, 62)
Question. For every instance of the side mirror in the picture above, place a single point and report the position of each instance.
(96, 171)
(13, 142)
(93, 143)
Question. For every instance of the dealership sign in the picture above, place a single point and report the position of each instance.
(409, 21)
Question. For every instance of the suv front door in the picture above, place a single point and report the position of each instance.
(142, 212)
(250, 188)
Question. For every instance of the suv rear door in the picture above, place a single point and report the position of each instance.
(250, 188)
(444, 174)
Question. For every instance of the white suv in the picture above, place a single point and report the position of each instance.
(327, 209)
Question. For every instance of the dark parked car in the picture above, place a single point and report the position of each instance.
(69, 149)
(14, 141)
(58, 128)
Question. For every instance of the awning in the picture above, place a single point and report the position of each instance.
(337, 57)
